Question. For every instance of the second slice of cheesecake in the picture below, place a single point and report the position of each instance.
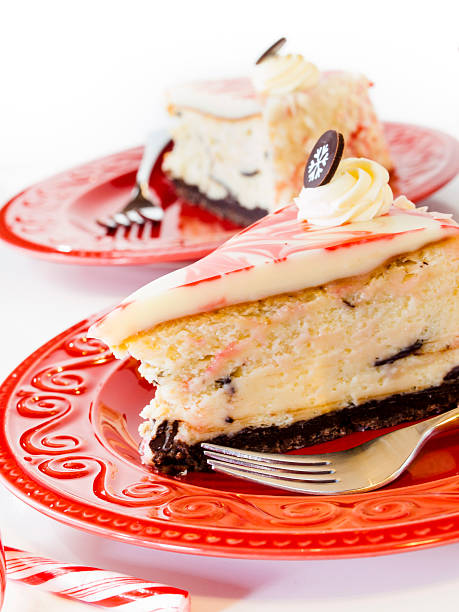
(240, 144)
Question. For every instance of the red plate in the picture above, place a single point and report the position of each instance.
(68, 447)
(55, 219)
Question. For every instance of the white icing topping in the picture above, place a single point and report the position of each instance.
(405, 204)
(228, 99)
(281, 74)
(278, 254)
(359, 191)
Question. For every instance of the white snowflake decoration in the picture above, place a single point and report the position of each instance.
(317, 164)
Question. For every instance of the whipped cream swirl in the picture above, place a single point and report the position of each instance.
(359, 191)
(281, 74)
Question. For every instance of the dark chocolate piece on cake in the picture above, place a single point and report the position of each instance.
(272, 50)
(324, 159)
(244, 141)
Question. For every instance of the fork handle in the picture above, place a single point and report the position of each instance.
(155, 143)
(438, 423)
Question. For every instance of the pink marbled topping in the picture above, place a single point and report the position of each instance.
(235, 88)
(304, 255)
(278, 237)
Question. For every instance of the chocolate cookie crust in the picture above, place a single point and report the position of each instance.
(226, 208)
(173, 457)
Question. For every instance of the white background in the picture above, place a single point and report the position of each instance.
(81, 79)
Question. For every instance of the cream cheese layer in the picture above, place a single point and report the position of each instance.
(278, 254)
(222, 158)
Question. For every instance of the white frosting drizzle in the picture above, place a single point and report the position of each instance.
(359, 191)
(227, 98)
(278, 254)
(281, 74)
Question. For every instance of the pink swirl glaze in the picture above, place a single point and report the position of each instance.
(278, 254)
(229, 98)
(234, 98)
(276, 238)
(241, 87)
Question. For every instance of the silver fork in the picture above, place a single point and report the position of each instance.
(144, 204)
(362, 468)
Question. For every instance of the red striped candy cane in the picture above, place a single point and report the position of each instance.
(94, 586)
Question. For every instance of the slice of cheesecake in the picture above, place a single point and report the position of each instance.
(240, 144)
(336, 313)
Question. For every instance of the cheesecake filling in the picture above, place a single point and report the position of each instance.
(223, 159)
(297, 356)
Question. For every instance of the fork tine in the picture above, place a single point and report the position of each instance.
(318, 487)
(313, 460)
(107, 224)
(139, 217)
(151, 213)
(279, 467)
(121, 219)
(135, 217)
(258, 470)
(144, 204)
(131, 233)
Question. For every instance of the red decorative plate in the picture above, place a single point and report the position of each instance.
(55, 219)
(68, 447)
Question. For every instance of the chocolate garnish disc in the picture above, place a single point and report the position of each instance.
(273, 49)
(324, 159)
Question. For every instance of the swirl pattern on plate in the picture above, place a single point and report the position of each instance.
(52, 456)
